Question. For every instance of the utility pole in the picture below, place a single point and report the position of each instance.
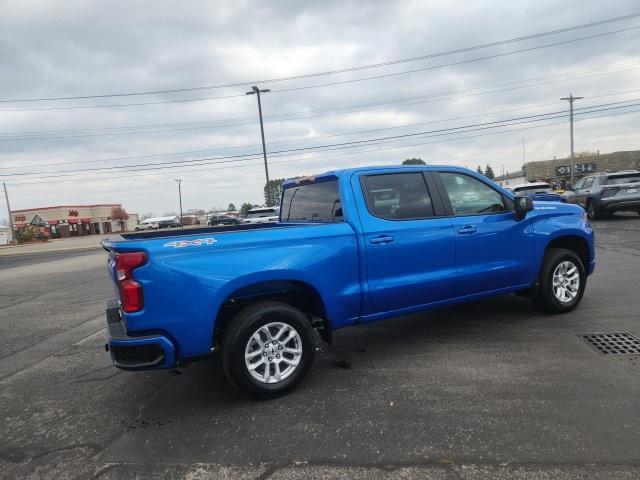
(256, 91)
(571, 99)
(6, 197)
(179, 181)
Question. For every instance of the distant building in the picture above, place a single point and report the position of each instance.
(560, 169)
(5, 234)
(64, 221)
(511, 179)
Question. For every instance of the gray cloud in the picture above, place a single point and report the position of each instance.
(83, 48)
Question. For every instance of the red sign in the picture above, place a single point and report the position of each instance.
(20, 218)
(73, 213)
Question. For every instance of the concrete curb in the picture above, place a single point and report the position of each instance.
(35, 252)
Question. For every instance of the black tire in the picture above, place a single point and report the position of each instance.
(592, 210)
(238, 335)
(545, 298)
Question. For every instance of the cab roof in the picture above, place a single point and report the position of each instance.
(333, 174)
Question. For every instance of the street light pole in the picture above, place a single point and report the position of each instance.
(6, 197)
(571, 99)
(179, 181)
(256, 91)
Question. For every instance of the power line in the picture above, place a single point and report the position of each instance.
(352, 144)
(326, 111)
(363, 67)
(306, 158)
(131, 157)
(461, 62)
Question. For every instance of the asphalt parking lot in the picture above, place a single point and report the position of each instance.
(487, 390)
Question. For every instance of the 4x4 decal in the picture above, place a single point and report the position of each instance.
(186, 243)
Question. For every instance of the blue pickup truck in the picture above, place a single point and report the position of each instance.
(352, 246)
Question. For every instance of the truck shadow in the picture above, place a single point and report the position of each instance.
(356, 349)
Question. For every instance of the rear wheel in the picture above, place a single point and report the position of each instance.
(561, 282)
(267, 349)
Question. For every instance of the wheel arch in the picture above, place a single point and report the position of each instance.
(576, 244)
(297, 293)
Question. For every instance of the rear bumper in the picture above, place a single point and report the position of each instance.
(148, 352)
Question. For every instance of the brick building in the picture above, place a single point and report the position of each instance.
(560, 169)
(64, 221)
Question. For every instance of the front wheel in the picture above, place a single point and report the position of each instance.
(267, 349)
(561, 282)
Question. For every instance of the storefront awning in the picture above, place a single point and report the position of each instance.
(73, 220)
(53, 222)
(85, 220)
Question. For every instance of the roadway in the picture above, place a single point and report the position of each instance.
(487, 390)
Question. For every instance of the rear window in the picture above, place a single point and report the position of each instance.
(315, 202)
(532, 189)
(620, 179)
(265, 212)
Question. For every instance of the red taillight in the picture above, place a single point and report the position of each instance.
(130, 290)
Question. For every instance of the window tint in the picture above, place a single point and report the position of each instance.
(316, 202)
(398, 196)
(620, 179)
(469, 196)
(588, 182)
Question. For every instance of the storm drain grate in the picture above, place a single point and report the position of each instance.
(613, 343)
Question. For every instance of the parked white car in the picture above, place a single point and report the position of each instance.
(148, 224)
(263, 215)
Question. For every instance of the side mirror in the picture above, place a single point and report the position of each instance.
(523, 205)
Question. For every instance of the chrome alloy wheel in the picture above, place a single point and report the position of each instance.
(273, 352)
(566, 281)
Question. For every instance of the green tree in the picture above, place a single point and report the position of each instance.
(413, 161)
(479, 170)
(231, 207)
(488, 172)
(244, 209)
(272, 191)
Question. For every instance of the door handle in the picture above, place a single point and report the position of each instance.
(467, 230)
(382, 239)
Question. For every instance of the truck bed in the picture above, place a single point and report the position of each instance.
(179, 232)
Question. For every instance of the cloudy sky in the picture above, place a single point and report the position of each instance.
(129, 148)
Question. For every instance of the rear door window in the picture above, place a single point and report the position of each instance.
(398, 196)
(315, 202)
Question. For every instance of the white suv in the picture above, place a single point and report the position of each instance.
(262, 215)
(148, 224)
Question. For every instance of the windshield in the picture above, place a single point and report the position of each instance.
(315, 202)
